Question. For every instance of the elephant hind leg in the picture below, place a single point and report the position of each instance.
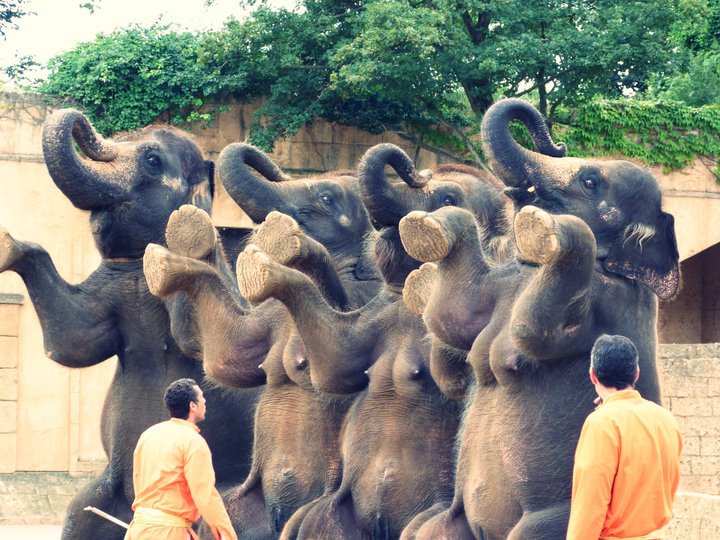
(546, 524)
(436, 523)
(190, 232)
(248, 513)
(10, 250)
(331, 518)
(105, 495)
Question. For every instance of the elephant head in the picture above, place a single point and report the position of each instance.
(620, 202)
(327, 209)
(450, 185)
(130, 184)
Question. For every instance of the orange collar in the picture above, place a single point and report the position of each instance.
(182, 422)
(623, 394)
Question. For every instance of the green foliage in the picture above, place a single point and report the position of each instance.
(669, 134)
(10, 12)
(129, 78)
(426, 69)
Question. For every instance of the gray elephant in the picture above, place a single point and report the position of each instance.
(295, 457)
(595, 251)
(130, 187)
(399, 434)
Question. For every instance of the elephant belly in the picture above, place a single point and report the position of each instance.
(488, 496)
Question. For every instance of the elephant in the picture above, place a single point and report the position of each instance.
(295, 458)
(595, 251)
(399, 434)
(130, 186)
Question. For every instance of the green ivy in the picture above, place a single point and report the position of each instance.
(665, 133)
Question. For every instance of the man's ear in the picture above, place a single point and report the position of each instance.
(637, 374)
(593, 377)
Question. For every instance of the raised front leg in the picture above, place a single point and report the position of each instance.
(419, 287)
(280, 237)
(233, 339)
(76, 320)
(339, 344)
(551, 317)
(450, 236)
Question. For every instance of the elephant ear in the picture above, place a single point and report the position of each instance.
(651, 259)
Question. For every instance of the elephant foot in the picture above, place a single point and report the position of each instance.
(280, 237)
(190, 232)
(257, 274)
(536, 235)
(418, 287)
(10, 250)
(424, 237)
(167, 272)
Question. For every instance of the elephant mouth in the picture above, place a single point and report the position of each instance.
(522, 196)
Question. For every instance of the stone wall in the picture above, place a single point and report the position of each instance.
(691, 379)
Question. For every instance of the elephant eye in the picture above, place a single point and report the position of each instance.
(327, 199)
(153, 160)
(448, 200)
(590, 182)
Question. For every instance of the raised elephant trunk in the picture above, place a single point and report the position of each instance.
(256, 196)
(83, 181)
(383, 201)
(513, 164)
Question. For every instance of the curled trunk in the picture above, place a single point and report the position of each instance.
(383, 201)
(516, 166)
(83, 181)
(255, 195)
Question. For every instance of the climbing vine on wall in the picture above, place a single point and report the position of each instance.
(665, 133)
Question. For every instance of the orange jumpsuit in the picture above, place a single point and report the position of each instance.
(175, 485)
(626, 470)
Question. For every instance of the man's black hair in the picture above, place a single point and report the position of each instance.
(178, 397)
(614, 360)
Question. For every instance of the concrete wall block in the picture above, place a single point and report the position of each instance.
(696, 517)
(8, 412)
(8, 352)
(705, 465)
(9, 319)
(691, 406)
(698, 426)
(691, 446)
(684, 386)
(713, 387)
(8, 456)
(8, 384)
(701, 483)
(710, 446)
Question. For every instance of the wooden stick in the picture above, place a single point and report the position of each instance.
(107, 516)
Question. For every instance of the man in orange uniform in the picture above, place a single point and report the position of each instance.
(173, 474)
(628, 458)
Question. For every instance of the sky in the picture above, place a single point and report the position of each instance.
(61, 24)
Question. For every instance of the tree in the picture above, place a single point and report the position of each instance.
(697, 36)
(10, 11)
(129, 78)
(426, 69)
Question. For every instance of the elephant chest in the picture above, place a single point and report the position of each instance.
(398, 456)
(296, 444)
